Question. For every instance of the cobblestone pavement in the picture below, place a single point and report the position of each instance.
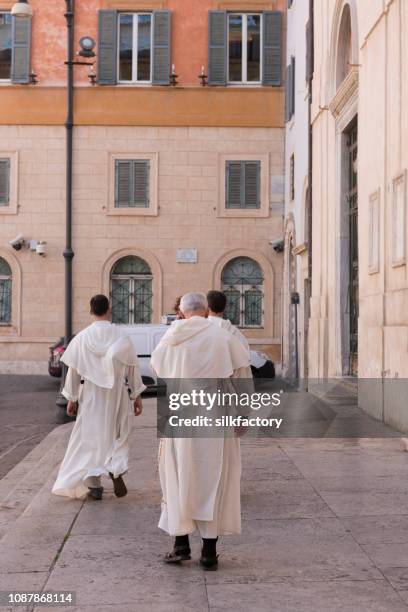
(325, 529)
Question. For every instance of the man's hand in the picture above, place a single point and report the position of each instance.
(72, 409)
(138, 406)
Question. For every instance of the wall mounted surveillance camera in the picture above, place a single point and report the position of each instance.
(278, 245)
(18, 242)
(41, 248)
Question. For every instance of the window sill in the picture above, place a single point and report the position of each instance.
(398, 264)
(132, 84)
(243, 213)
(132, 212)
(8, 210)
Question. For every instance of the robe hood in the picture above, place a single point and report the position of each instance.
(195, 348)
(93, 352)
(184, 329)
(224, 323)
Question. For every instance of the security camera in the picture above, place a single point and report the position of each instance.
(41, 248)
(18, 242)
(278, 245)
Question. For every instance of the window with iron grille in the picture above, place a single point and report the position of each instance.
(132, 183)
(242, 189)
(4, 181)
(292, 177)
(5, 292)
(131, 291)
(242, 282)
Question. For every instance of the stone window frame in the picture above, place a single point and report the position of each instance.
(12, 207)
(153, 209)
(374, 203)
(264, 210)
(398, 221)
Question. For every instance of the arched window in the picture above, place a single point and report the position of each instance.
(344, 47)
(242, 282)
(131, 291)
(5, 292)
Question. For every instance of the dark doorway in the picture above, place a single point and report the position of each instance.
(352, 200)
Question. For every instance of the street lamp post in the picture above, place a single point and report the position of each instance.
(87, 45)
(22, 9)
(68, 253)
(69, 126)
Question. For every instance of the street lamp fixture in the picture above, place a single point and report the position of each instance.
(22, 9)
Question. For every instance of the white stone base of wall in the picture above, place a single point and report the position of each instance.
(39, 368)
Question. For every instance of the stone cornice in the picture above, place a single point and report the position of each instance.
(347, 90)
(300, 248)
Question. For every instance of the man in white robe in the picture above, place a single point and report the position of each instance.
(103, 387)
(217, 303)
(200, 477)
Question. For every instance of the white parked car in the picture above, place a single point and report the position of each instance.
(146, 337)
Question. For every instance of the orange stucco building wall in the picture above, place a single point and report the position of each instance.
(189, 32)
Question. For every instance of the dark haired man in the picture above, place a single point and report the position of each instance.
(217, 303)
(102, 383)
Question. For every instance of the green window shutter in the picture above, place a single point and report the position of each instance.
(272, 48)
(20, 54)
(217, 47)
(287, 93)
(108, 48)
(292, 85)
(233, 188)
(141, 171)
(123, 183)
(4, 182)
(252, 177)
(132, 183)
(161, 47)
(309, 52)
(243, 180)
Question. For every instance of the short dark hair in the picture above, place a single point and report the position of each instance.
(217, 301)
(99, 305)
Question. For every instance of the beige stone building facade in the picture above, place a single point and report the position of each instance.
(359, 304)
(156, 211)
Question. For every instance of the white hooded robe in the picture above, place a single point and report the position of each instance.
(228, 326)
(104, 377)
(200, 477)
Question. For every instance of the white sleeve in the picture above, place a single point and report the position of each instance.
(72, 385)
(135, 383)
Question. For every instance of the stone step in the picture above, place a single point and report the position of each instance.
(25, 481)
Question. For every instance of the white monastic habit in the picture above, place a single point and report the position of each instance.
(228, 326)
(200, 477)
(104, 376)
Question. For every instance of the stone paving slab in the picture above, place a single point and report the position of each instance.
(378, 529)
(297, 549)
(351, 596)
(324, 529)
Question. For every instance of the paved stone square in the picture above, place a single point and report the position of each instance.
(325, 528)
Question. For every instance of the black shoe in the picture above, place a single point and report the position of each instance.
(118, 485)
(209, 564)
(95, 493)
(177, 555)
